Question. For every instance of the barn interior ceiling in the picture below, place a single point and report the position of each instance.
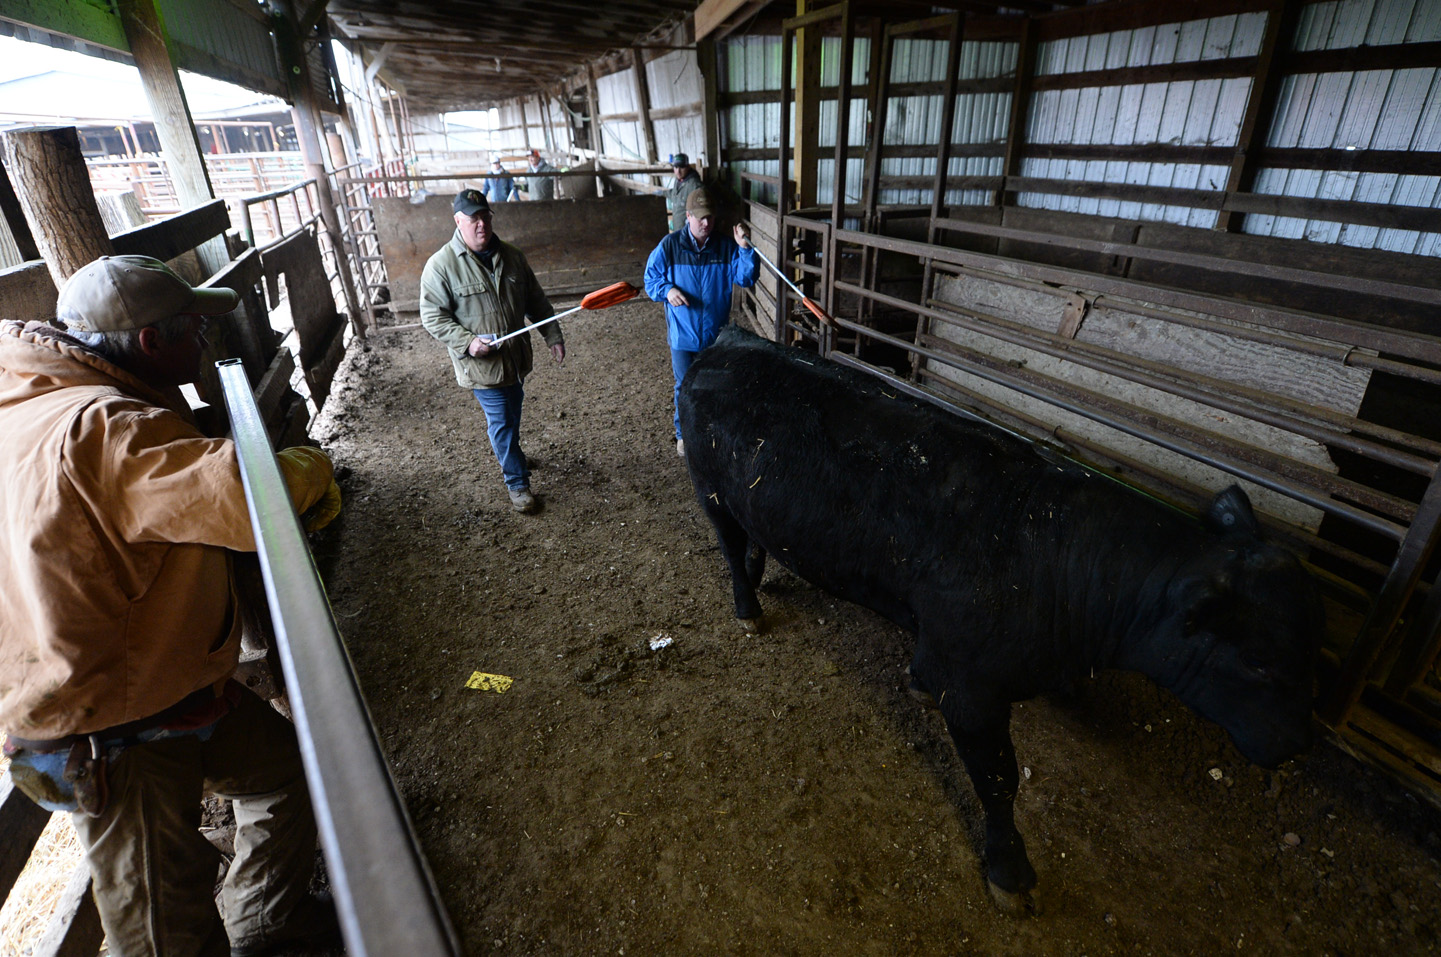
(468, 54)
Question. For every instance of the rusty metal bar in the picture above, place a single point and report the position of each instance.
(1353, 284)
(1419, 648)
(1411, 345)
(1378, 634)
(1345, 354)
(1264, 407)
(1041, 430)
(1245, 468)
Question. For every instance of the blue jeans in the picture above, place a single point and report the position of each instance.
(680, 361)
(502, 423)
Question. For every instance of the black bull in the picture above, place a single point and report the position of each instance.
(1017, 571)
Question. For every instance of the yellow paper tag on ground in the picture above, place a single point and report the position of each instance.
(481, 681)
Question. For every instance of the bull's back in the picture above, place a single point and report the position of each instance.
(844, 481)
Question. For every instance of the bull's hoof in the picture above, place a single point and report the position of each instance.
(1017, 904)
(752, 626)
(917, 691)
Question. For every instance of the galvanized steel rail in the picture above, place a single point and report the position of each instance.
(383, 889)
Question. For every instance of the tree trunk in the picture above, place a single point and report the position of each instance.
(55, 192)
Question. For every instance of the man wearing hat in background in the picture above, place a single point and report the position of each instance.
(540, 187)
(500, 186)
(691, 271)
(686, 181)
(477, 288)
(119, 629)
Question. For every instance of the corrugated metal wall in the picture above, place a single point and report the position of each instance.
(676, 86)
(1185, 113)
(1374, 109)
(1370, 110)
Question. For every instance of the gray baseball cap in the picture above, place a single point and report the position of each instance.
(120, 293)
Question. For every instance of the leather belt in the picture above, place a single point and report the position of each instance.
(123, 734)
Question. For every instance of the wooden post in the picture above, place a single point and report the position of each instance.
(308, 130)
(597, 143)
(705, 54)
(1281, 19)
(1020, 110)
(55, 192)
(808, 110)
(15, 219)
(149, 45)
(642, 104)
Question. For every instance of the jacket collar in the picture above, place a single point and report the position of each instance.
(51, 359)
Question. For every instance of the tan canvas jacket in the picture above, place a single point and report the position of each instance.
(460, 299)
(116, 514)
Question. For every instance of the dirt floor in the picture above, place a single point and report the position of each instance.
(780, 793)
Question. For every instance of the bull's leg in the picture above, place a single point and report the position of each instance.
(734, 546)
(990, 760)
(755, 565)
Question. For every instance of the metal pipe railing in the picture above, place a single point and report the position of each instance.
(387, 901)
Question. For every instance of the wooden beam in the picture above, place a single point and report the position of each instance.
(14, 218)
(597, 144)
(879, 96)
(1020, 106)
(21, 821)
(843, 131)
(54, 189)
(710, 114)
(1281, 18)
(75, 929)
(308, 133)
(150, 46)
(717, 19)
(808, 110)
(642, 98)
(167, 238)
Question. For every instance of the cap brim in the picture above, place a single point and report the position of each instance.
(214, 302)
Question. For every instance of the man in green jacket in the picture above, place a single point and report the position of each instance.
(475, 289)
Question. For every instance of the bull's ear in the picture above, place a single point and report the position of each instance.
(1230, 515)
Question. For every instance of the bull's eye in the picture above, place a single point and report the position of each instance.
(1256, 665)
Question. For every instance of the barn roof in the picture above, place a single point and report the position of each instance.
(468, 54)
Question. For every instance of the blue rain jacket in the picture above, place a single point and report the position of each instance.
(705, 276)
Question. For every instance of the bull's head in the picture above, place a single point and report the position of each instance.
(1247, 620)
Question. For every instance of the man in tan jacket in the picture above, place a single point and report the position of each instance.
(118, 623)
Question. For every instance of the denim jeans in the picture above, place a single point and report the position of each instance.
(680, 361)
(502, 423)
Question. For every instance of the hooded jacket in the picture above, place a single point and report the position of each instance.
(461, 299)
(116, 514)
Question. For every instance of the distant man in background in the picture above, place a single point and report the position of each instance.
(691, 271)
(540, 187)
(686, 181)
(500, 185)
(475, 289)
(119, 631)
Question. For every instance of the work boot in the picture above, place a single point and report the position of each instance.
(313, 923)
(680, 447)
(521, 500)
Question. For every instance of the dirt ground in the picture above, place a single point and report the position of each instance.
(780, 793)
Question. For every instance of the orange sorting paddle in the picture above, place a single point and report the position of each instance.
(816, 310)
(612, 295)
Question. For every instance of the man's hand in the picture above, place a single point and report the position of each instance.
(743, 236)
(676, 298)
(479, 346)
(558, 351)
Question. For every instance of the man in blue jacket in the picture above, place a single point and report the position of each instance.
(691, 271)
